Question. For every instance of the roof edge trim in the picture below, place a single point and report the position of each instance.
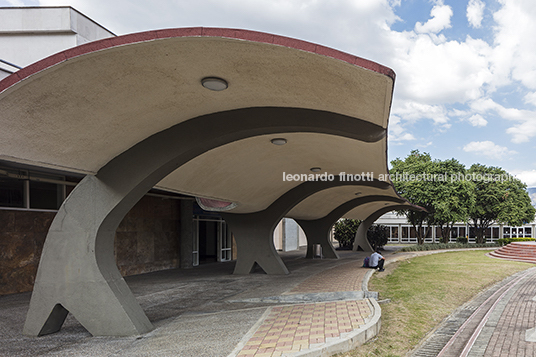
(240, 34)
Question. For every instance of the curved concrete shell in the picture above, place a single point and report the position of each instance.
(131, 114)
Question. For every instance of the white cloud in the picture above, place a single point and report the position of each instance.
(397, 132)
(523, 132)
(530, 98)
(439, 73)
(475, 13)
(488, 149)
(525, 120)
(414, 111)
(440, 20)
(425, 145)
(528, 177)
(514, 57)
(477, 120)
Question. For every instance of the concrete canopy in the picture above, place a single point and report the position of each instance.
(131, 114)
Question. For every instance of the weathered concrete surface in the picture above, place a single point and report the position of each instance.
(77, 268)
(192, 310)
(254, 232)
(361, 240)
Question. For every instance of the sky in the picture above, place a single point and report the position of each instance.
(465, 69)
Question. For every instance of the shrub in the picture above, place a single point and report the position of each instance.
(345, 230)
(462, 240)
(505, 241)
(436, 246)
(378, 235)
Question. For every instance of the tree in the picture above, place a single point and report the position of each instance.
(345, 230)
(454, 196)
(404, 175)
(377, 235)
(499, 198)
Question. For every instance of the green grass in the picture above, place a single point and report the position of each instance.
(425, 290)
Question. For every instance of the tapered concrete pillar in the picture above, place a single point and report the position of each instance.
(77, 271)
(361, 240)
(254, 232)
(318, 230)
(254, 243)
(78, 274)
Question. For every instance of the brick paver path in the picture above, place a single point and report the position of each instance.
(290, 329)
(519, 315)
(346, 277)
(296, 328)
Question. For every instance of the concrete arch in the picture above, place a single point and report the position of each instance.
(257, 228)
(77, 272)
(361, 234)
(317, 231)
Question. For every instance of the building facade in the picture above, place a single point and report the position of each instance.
(401, 231)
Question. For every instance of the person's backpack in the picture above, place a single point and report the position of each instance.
(366, 262)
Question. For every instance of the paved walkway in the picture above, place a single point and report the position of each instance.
(319, 309)
(500, 321)
(308, 327)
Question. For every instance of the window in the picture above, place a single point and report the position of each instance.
(28, 190)
(11, 192)
(44, 195)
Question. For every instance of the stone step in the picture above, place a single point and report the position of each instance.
(518, 251)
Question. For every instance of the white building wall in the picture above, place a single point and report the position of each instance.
(288, 235)
(30, 34)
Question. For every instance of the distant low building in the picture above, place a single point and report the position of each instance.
(401, 231)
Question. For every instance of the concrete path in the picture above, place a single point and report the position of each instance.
(321, 308)
(318, 309)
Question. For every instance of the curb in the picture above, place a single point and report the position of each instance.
(350, 340)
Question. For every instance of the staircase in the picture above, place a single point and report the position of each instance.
(520, 251)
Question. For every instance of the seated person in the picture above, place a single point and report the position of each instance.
(376, 261)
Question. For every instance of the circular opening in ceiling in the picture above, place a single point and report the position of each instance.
(279, 141)
(214, 83)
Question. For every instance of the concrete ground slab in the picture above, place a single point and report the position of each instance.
(321, 308)
(207, 311)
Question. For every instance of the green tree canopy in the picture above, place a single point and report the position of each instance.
(435, 186)
(499, 198)
(416, 192)
(454, 196)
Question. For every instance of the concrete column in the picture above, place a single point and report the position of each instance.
(317, 232)
(361, 240)
(77, 271)
(254, 232)
(187, 240)
(254, 243)
(361, 234)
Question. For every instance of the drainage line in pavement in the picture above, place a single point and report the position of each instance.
(476, 333)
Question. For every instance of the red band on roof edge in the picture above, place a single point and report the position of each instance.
(248, 35)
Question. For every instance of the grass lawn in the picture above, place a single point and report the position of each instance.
(426, 289)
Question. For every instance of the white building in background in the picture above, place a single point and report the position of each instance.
(31, 34)
(401, 231)
(288, 235)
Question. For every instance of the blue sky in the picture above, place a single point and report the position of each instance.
(466, 69)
